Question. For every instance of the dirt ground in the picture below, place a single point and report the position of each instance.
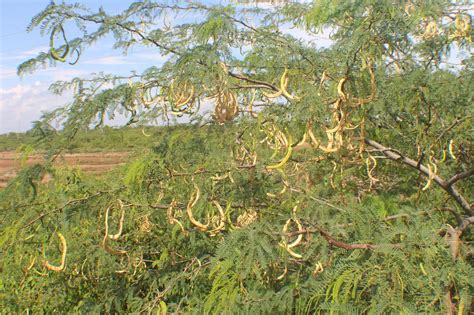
(94, 163)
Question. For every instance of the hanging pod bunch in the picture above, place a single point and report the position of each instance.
(278, 140)
(226, 106)
(430, 30)
(463, 26)
(218, 221)
(148, 97)
(247, 218)
(182, 98)
(63, 250)
(284, 160)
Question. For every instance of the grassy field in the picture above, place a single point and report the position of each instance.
(98, 140)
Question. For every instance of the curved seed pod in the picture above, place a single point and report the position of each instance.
(280, 277)
(250, 104)
(219, 178)
(63, 249)
(291, 252)
(430, 178)
(32, 263)
(147, 98)
(300, 228)
(285, 158)
(340, 89)
(105, 244)
(222, 218)
(172, 219)
(122, 217)
(272, 95)
(451, 149)
(183, 100)
(144, 133)
(54, 54)
(333, 130)
(318, 268)
(324, 77)
(424, 271)
(284, 85)
(328, 149)
(78, 52)
(371, 169)
(113, 251)
(192, 202)
(443, 158)
(314, 142)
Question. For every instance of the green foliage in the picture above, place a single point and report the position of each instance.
(330, 192)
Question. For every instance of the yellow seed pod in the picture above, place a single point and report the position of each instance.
(451, 149)
(371, 169)
(122, 217)
(285, 158)
(189, 209)
(63, 250)
(106, 238)
(284, 85)
(280, 277)
(340, 89)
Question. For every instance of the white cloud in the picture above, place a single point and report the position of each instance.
(24, 55)
(23, 103)
(150, 56)
(109, 60)
(319, 40)
(34, 51)
(7, 72)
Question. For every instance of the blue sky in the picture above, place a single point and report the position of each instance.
(23, 99)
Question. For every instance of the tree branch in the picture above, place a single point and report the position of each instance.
(460, 176)
(455, 236)
(334, 242)
(447, 186)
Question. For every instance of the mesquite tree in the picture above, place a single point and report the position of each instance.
(305, 180)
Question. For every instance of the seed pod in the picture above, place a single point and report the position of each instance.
(287, 155)
(340, 89)
(63, 249)
(192, 202)
(54, 54)
(221, 219)
(122, 217)
(371, 169)
(284, 86)
(451, 149)
(105, 244)
(280, 277)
